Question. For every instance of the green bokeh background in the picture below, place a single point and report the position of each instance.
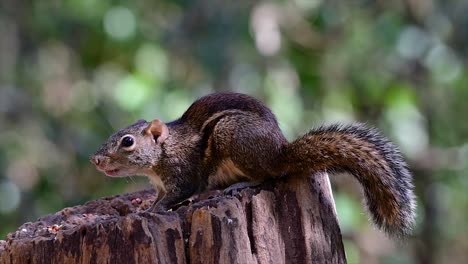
(74, 71)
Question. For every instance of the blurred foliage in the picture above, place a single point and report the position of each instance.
(73, 71)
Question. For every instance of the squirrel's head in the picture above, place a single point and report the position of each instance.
(133, 150)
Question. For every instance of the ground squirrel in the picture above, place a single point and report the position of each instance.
(226, 138)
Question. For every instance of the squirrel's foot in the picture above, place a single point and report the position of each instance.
(237, 187)
(185, 202)
(157, 207)
(162, 207)
(204, 195)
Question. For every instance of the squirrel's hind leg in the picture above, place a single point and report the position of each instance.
(254, 144)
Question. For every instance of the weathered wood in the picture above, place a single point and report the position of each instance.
(287, 221)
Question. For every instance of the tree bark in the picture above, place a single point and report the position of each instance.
(291, 220)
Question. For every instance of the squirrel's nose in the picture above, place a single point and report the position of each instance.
(96, 160)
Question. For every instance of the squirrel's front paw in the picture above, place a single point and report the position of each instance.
(156, 207)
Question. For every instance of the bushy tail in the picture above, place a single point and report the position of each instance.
(371, 158)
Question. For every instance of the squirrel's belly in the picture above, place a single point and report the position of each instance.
(226, 174)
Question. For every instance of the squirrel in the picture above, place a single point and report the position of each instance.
(227, 138)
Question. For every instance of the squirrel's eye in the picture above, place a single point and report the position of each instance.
(127, 141)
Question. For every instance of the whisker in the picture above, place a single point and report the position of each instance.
(132, 179)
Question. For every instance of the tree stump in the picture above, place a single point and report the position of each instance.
(292, 220)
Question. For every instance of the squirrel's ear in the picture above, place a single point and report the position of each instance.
(157, 129)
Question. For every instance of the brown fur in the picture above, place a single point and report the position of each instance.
(225, 138)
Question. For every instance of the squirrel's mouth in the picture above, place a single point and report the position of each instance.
(112, 172)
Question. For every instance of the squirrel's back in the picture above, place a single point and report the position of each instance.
(206, 107)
